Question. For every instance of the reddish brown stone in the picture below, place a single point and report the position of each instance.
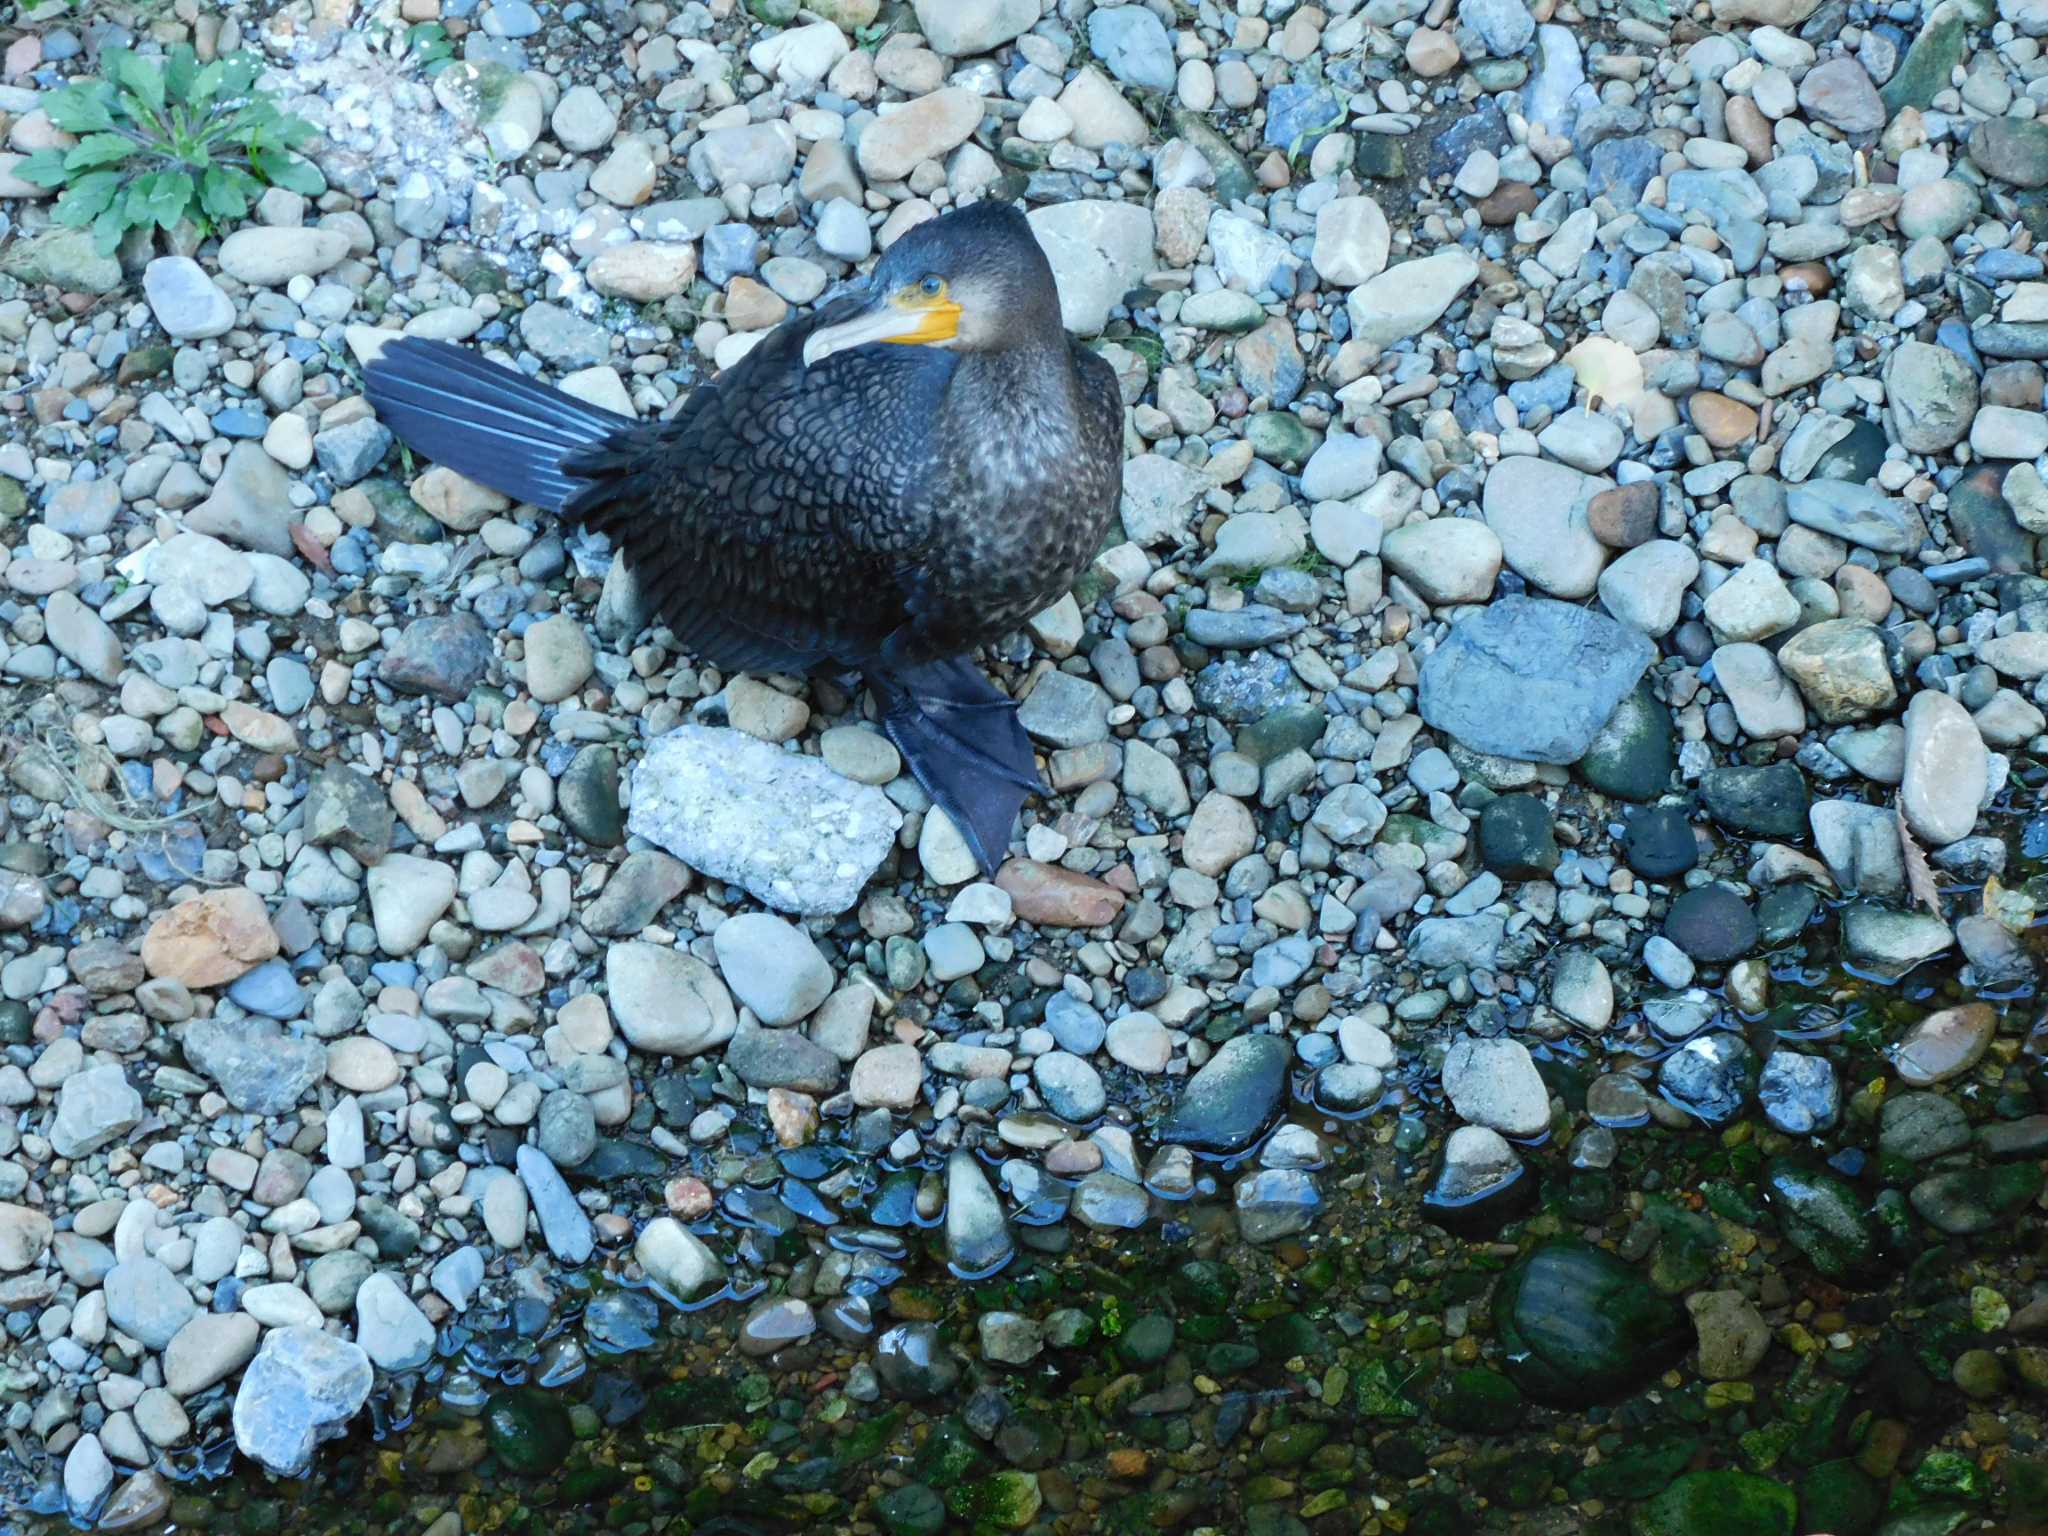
(1053, 897)
(515, 968)
(1506, 202)
(1721, 421)
(688, 1199)
(211, 939)
(1807, 277)
(1625, 516)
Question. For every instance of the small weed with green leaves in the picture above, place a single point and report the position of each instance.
(164, 140)
(428, 46)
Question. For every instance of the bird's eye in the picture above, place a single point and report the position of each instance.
(932, 287)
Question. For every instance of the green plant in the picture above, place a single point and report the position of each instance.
(428, 45)
(35, 12)
(166, 140)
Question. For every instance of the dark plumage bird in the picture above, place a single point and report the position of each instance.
(906, 473)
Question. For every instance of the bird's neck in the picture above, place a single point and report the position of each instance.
(1019, 389)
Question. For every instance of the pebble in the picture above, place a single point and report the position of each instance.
(1682, 450)
(186, 302)
(1494, 1083)
(772, 967)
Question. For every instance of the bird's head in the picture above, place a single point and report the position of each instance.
(973, 280)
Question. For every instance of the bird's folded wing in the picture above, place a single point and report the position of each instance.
(775, 522)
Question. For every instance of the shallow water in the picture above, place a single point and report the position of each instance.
(1353, 1378)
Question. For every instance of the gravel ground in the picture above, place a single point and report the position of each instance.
(1580, 541)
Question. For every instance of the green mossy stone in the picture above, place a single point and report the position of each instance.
(1720, 1503)
(1579, 1326)
(1971, 1200)
(1148, 1340)
(1517, 838)
(588, 797)
(529, 1432)
(948, 1457)
(1380, 1392)
(143, 364)
(1933, 1520)
(1293, 1444)
(1379, 157)
(1281, 438)
(63, 258)
(1642, 1467)
(1233, 175)
(1632, 757)
(1496, 75)
(1822, 1217)
(1839, 1498)
(1479, 1402)
(912, 1510)
(1929, 63)
(1290, 728)
(399, 519)
(1009, 1501)
(1204, 1283)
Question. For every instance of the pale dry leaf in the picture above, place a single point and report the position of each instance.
(1919, 873)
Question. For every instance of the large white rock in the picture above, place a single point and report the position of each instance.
(1098, 250)
(1947, 768)
(785, 827)
(961, 28)
(1645, 588)
(677, 1260)
(667, 1002)
(1539, 510)
(1494, 1083)
(408, 894)
(772, 966)
(302, 1388)
(1351, 241)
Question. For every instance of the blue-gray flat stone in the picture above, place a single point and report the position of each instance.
(1532, 679)
(562, 1221)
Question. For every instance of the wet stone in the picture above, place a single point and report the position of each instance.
(1707, 1077)
(1580, 1326)
(913, 1362)
(1724, 1500)
(1712, 924)
(1822, 1217)
(1229, 1101)
(1971, 1200)
(1771, 801)
(1799, 1093)
(1921, 1126)
(529, 1431)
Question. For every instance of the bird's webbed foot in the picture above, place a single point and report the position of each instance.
(960, 736)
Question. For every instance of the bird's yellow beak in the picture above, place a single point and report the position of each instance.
(908, 316)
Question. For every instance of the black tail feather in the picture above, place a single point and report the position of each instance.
(487, 423)
(960, 737)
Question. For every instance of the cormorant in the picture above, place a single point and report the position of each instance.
(908, 472)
